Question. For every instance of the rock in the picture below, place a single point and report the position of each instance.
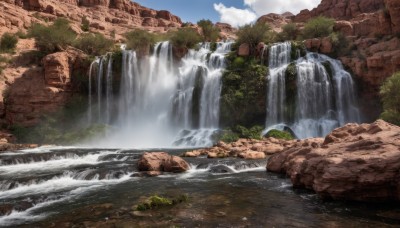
(326, 45)
(251, 155)
(161, 161)
(393, 7)
(355, 162)
(345, 27)
(244, 50)
(275, 21)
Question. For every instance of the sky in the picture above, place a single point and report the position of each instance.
(234, 12)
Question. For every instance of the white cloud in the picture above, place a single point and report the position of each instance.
(234, 16)
(256, 8)
(262, 7)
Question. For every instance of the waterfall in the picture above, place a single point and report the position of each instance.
(161, 102)
(323, 98)
(279, 59)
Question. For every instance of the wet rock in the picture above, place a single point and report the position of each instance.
(161, 161)
(355, 162)
(221, 169)
(251, 155)
(244, 50)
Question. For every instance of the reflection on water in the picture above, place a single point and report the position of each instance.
(93, 187)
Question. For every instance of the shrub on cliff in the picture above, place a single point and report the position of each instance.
(52, 38)
(185, 38)
(253, 34)
(390, 93)
(140, 41)
(210, 32)
(94, 44)
(85, 26)
(8, 42)
(289, 32)
(318, 27)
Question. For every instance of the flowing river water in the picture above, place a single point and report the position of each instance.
(73, 187)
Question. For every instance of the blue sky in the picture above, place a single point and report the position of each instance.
(235, 12)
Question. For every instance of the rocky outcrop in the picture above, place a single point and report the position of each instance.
(35, 91)
(105, 16)
(162, 162)
(341, 9)
(354, 162)
(244, 148)
(227, 32)
(276, 21)
(393, 7)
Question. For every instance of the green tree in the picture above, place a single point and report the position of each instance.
(8, 42)
(318, 27)
(210, 33)
(140, 41)
(390, 94)
(53, 38)
(94, 44)
(185, 38)
(289, 32)
(253, 34)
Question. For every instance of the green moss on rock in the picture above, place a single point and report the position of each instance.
(279, 135)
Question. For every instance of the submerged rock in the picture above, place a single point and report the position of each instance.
(354, 162)
(163, 162)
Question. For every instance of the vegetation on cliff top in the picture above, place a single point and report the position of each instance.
(210, 33)
(318, 27)
(390, 93)
(8, 42)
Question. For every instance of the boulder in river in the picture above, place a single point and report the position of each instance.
(354, 162)
(161, 161)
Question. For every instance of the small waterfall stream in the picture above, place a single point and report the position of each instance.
(161, 103)
(322, 96)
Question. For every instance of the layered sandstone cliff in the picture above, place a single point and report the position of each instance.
(106, 16)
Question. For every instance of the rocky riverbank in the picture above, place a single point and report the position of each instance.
(354, 162)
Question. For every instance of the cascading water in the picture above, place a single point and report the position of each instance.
(159, 103)
(323, 99)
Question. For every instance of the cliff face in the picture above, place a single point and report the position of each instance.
(105, 16)
(373, 29)
(29, 90)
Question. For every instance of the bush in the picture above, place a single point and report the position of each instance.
(8, 42)
(94, 44)
(250, 133)
(229, 136)
(318, 27)
(280, 135)
(140, 41)
(185, 38)
(85, 24)
(289, 32)
(53, 38)
(253, 34)
(390, 94)
(340, 44)
(210, 32)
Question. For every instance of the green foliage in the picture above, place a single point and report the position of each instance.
(297, 48)
(340, 44)
(85, 26)
(185, 38)
(280, 135)
(155, 202)
(250, 133)
(229, 136)
(21, 34)
(53, 38)
(253, 34)
(8, 42)
(60, 127)
(94, 44)
(390, 94)
(210, 32)
(318, 27)
(243, 92)
(140, 40)
(289, 32)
